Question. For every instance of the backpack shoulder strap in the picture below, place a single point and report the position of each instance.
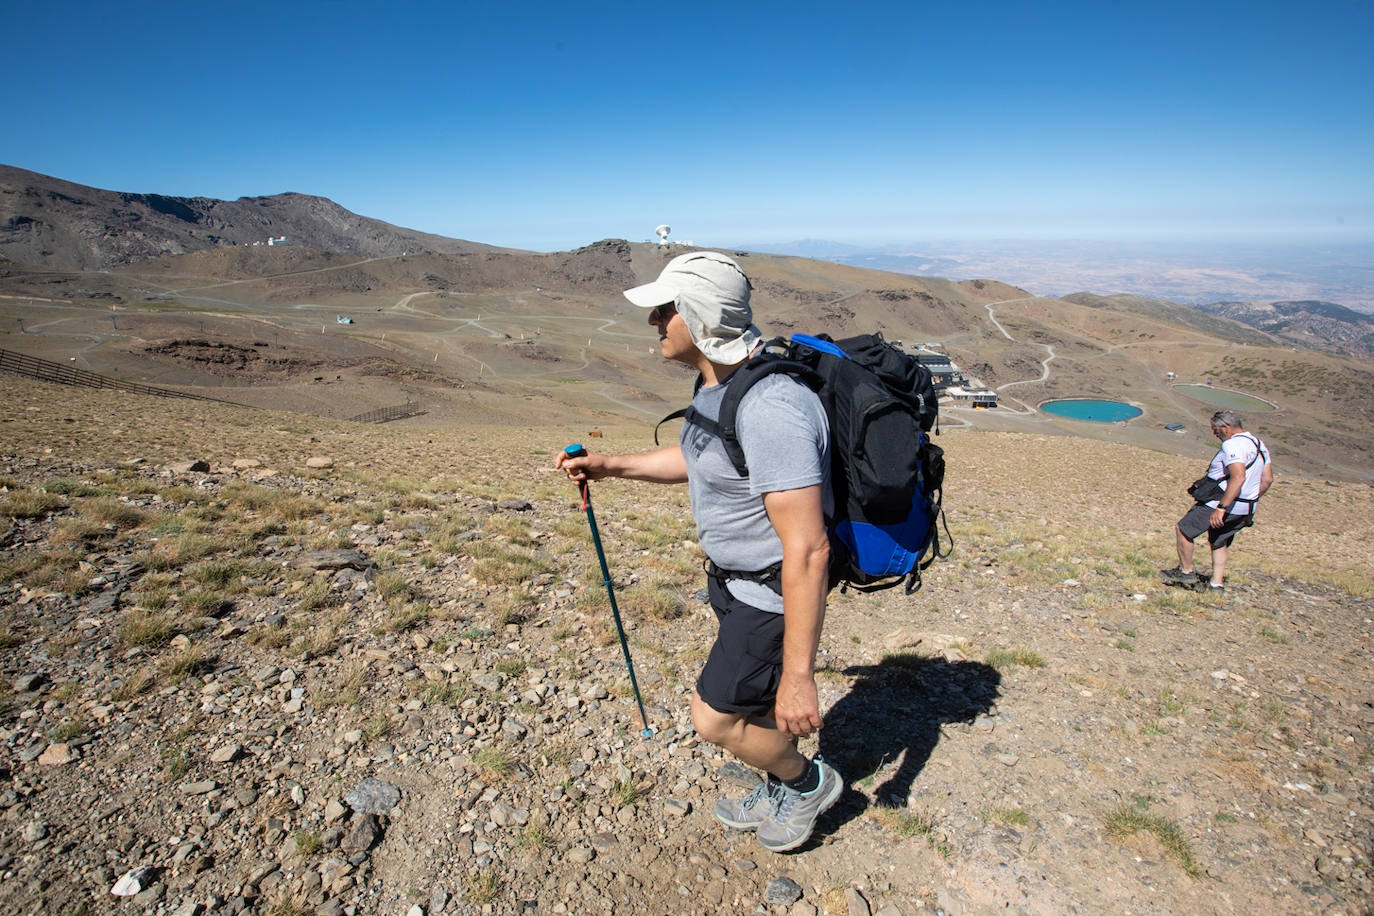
(774, 357)
(759, 367)
(675, 415)
(680, 412)
(1259, 453)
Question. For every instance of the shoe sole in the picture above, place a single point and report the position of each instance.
(826, 804)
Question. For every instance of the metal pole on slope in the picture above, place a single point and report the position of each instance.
(577, 451)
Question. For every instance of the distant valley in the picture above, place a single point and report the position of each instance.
(1188, 274)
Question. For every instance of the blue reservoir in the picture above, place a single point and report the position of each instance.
(1089, 409)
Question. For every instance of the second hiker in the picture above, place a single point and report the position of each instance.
(1224, 501)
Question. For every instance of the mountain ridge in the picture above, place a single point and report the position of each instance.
(51, 222)
(488, 335)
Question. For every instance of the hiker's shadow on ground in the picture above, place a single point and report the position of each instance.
(895, 710)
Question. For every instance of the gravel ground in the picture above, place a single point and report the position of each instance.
(372, 721)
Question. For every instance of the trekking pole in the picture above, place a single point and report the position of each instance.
(577, 451)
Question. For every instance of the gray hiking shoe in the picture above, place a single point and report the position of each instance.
(791, 823)
(1177, 576)
(748, 812)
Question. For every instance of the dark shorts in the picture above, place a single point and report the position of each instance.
(742, 672)
(1197, 520)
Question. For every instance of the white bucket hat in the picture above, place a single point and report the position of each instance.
(711, 294)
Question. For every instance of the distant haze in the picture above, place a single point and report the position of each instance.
(1184, 273)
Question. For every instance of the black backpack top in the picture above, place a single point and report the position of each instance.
(886, 474)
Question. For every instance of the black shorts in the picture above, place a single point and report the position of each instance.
(742, 672)
(1198, 519)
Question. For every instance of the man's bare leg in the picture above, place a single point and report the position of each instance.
(1219, 555)
(1185, 550)
(753, 740)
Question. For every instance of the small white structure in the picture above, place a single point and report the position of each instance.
(276, 241)
(662, 233)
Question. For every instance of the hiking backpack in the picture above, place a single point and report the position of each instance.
(886, 474)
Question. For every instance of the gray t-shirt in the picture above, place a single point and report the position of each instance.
(782, 429)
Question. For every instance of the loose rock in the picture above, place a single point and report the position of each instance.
(784, 890)
(372, 796)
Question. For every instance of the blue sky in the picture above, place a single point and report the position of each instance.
(552, 125)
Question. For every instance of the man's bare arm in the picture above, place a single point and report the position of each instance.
(665, 465)
(1235, 474)
(797, 518)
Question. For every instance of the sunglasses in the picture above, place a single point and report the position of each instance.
(663, 312)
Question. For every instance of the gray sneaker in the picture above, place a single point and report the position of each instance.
(748, 812)
(791, 823)
(1177, 576)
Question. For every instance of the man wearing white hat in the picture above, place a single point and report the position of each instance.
(756, 695)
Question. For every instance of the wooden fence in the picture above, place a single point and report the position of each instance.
(48, 371)
(387, 414)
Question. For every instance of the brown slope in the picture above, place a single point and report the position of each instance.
(552, 332)
(1215, 324)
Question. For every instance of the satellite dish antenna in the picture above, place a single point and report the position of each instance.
(662, 233)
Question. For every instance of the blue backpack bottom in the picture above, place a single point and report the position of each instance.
(881, 551)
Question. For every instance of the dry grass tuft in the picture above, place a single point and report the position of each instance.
(906, 824)
(110, 510)
(483, 887)
(1002, 659)
(29, 504)
(194, 659)
(1133, 818)
(147, 628)
(493, 764)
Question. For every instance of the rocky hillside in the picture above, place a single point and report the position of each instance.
(1324, 325)
(260, 663)
(54, 223)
